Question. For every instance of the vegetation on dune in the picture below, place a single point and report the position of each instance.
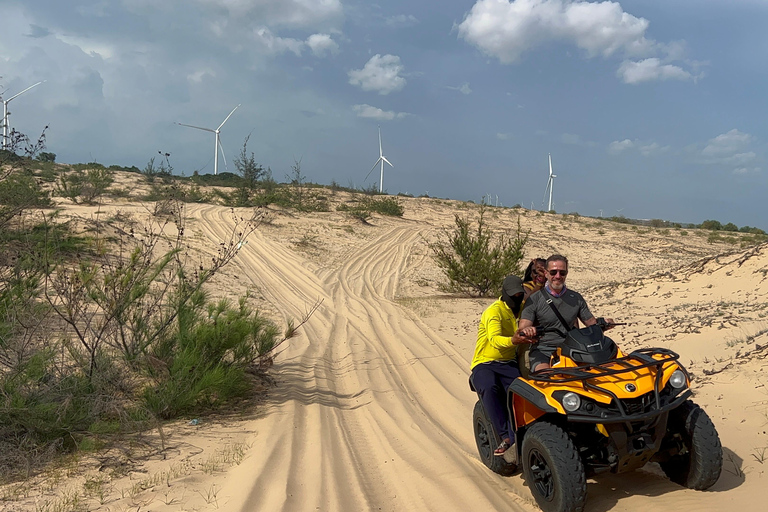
(106, 327)
(364, 206)
(475, 259)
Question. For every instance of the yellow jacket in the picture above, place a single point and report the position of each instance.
(494, 337)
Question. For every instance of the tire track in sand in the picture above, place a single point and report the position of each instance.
(372, 411)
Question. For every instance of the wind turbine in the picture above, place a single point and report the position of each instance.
(217, 144)
(550, 182)
(381, 160)
(6, 114)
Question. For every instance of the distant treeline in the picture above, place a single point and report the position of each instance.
(711, 225)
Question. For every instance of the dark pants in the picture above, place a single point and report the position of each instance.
(491, 381)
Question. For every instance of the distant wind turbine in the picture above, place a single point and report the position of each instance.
(217, 145)
(381, 161)
(6, 125)
(550, 182)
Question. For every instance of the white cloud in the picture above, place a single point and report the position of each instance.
(380, 74)
(369, 112)
(650, 69)
(506, 29)
(740, 158)
(289, 13)
(90, 46)
(504, 136)
(746, 170)
(617, 147)
(731, 149)
(463, 88)
(727, 144)
(322, 44)
(645, 148)
(402, 20)
(275, 44)
(197, 76)
(654, 148)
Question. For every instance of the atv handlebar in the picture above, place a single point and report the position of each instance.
(540, 331)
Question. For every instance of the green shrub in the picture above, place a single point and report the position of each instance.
(45, 156)
(205, 359)
(385, 206)
(476, 261)
(19, 192)
(358, 212)
(85, 186)
(711, 225)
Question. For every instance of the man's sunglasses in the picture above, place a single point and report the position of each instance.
(553, 273)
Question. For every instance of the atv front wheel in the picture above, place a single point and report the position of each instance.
(553, 469)
(487, 441)
(699, 458)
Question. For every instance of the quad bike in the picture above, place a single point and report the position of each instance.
(597, 409)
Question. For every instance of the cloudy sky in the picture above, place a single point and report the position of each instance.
(649, 108)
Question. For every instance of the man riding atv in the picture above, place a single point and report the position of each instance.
(594, 409)
(568, 307)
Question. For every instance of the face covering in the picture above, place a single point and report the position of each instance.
(514, 303)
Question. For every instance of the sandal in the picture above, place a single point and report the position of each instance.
(502, 449)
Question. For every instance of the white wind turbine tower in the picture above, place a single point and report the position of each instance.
(381, 160)
(6, 133)
(217, 144)
(550, 182)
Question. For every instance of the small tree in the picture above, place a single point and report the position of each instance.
(474, 260)
(713, 225)
(46, 156)
(297, 180)
(247, 167)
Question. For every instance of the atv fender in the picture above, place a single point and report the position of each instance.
(526, 403)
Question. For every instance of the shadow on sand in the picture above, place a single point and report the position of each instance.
(307, 384)
(605, 491)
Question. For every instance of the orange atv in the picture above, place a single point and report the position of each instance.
(597, 410)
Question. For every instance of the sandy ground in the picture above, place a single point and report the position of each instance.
(371, 409)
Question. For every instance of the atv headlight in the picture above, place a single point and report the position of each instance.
(677, 380)
(571, 402)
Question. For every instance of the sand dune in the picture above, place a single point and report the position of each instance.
(371, 409)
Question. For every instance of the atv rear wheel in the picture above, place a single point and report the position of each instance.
(553, 469)
(699, 460)
(487, 441)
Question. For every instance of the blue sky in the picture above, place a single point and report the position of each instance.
(650, 109)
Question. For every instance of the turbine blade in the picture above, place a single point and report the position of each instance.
(22, 92)
(372, 168)
(218, 141)
(198, 127)
(225, 120)
(546, 189)
(381, 153)
(385, 159)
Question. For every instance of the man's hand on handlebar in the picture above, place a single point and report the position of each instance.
(526, 335)
(607, 323)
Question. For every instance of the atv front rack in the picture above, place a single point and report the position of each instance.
(637, 360)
